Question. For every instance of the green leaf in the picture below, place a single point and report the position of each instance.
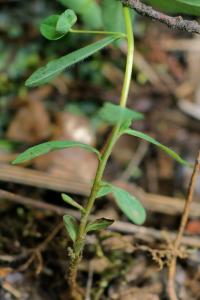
(48, 28)
(45, 148)
(112, 15)
(71, 202)
(89, 10)
(55, 67)
(73, 4)
(71, 226)
(99, 224)
(193, 3)
(149, 139)
(130, 206)
(189, 7)
(114, 114)
(66, 21)
(104, 190)
(91, 15)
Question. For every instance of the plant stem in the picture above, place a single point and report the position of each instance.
(121, 34)
(129, 60)
(107, 149)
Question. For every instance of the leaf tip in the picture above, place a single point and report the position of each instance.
(14, 162)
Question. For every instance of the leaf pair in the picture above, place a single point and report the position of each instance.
(128, 204)
(71, 226)
(110, 114)
(114, 114)
(56, 26)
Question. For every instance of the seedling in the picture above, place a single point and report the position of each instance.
(117, 116)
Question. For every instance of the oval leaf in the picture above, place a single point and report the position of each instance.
(48, 28)
(66, 21)
(45, 148)
(55, 67)
(130, 206)
(99, 224)
(149, 139)
(71, 202)
(71, 226)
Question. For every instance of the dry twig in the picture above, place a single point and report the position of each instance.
(141, 232)
(184, 219)
(73, 185)
(172, 22)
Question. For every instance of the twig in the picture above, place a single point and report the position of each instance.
(73, 185)
(89, 282)
(36, 252)
(135, 161)
(184, 219)
(172, 22)
(141, 232)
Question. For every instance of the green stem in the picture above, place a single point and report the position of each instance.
(129, 60)
(79, 244)
(121, 34)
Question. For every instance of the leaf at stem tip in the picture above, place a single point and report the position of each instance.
(65, 21)
(48, 28)
(45, 148)
(89, 11)
(57, 66)
(99, 224)
(71, 226)
(114, 114)
(151, 140)
(71, 202)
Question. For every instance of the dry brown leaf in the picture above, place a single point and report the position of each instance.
(30, 124)
(82, 164)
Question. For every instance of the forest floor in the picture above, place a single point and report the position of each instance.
(127, 262)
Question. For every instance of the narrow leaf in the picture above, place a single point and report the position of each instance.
(99, 224)
(55, 67)
(71, 226)
(114, 114)
(48, 28)
(130, 206)
(66, 21)
(71, 202)
(149, 139)
(45, 148)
